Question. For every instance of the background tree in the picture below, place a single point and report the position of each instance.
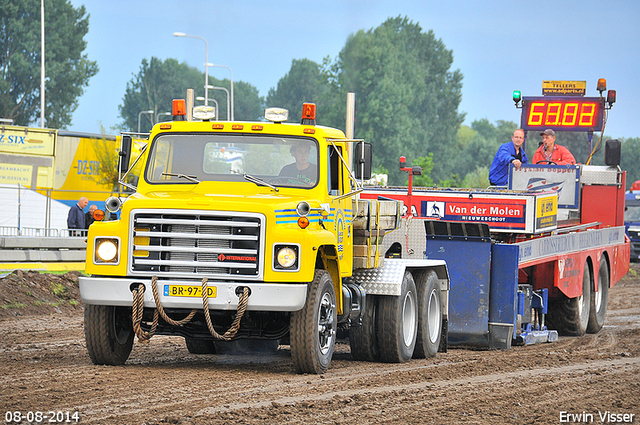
(67, 70)
(426, 162)
(158, 83)
(249, 105)
(305, 82)
(407, 99)
(154, 88)
(630, 158)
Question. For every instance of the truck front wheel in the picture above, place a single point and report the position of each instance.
(397, 323)
(313, 329)
(570, 316)
(108, 332)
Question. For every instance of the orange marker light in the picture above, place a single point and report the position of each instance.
(217, 126)
(179, 107)
(303, 222)
(98, 215)
(309, 111)
(165, 126)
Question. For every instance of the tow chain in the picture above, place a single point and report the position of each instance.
(137, 310)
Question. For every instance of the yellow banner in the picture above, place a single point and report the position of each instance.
(32, 141)
(546, 211)
(16, 174)
(564, 88)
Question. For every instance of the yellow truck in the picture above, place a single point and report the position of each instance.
(253, 232)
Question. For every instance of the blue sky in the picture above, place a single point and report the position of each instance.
(499, 46)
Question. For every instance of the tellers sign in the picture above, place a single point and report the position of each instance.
(563, 113)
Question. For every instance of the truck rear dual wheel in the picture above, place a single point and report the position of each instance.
(570, 316)
(313, 329)
(429, 315)
(397, 323)
(108, 332)
(363, 339)
(599, 299)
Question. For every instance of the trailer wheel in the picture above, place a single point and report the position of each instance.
(108, 332)
(570, 316)
(363, 339)
(200, 346)
(313, 329)
(429, 315)
(397, 323)
(598, 308)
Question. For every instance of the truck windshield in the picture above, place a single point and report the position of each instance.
(277, 160)
(632, 212)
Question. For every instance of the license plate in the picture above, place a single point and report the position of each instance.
(189, 291)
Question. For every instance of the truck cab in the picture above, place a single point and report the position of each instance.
(245, 231)
(632, 219)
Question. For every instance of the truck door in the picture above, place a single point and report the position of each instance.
(341, 209)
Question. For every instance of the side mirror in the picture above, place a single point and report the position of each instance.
(362, 159)
(125, 153)
(612, 150)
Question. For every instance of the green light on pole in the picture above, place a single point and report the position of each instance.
(517, 96)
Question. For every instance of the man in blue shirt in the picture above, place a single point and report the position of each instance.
(510, 152)
(75, 219)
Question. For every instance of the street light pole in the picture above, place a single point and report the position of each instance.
(206, 63)
(232, 104)
(150, 111)
(227, 92)
(42, 64)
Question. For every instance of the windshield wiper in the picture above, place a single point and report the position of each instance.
(256, 180)
(193, 179)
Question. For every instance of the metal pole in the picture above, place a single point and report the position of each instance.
(206, 63)
(150, 111)
(41, 63)
(232, 104)
(227, 92)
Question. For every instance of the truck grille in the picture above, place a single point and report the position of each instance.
(217, 245)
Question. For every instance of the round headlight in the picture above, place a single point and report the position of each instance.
(286, 257)
(107, 251)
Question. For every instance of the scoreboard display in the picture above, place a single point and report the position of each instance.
(569, 113)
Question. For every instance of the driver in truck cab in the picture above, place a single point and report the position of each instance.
(550, 152)
(301, 170)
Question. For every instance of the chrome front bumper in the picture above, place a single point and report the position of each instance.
(264, 296)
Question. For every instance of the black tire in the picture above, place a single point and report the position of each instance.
(108, 332)
(362, 339)
(313, 329)
(397, 323)
(599, 299)
(200, 346)
(429, 315)
(570, 316)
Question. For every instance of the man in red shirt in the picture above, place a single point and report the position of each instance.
(550, 153)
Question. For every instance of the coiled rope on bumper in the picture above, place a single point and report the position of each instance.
(137, 310)
(235, 326)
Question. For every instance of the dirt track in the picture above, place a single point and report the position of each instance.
(44, 366)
